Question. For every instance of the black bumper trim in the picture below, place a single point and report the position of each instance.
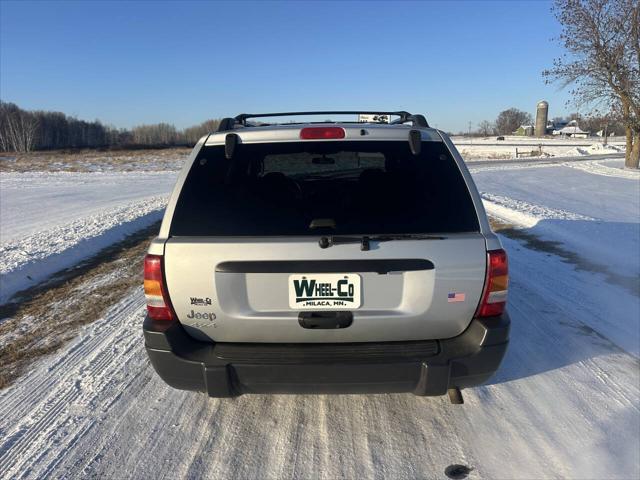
(421, 367)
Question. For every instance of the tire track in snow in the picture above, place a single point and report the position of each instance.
(97, 409)
(93, 359)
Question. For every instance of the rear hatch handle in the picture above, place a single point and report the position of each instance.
(325, 320)
(365, 240)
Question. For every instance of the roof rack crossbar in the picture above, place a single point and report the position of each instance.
(244, 116)
(417, 120)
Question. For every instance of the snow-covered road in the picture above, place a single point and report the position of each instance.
(564, 404)
(588, 215)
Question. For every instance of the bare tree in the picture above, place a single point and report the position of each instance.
(485, 128)
(602, 38)
(509, 120)
(575, 116)
(18, 128)
(29, 128)
(611, 123)
(156, 135)
(5, 111)
(193, 134)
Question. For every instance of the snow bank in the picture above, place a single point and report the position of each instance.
(524, 213)
(595, 149)
(29, 260)
(605, 169)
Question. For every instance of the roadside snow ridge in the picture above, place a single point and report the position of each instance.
(31, 259)
(525, 213)
(532, 164)
(597, 167)
(595, 149)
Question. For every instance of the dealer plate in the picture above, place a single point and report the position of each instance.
(326, 291)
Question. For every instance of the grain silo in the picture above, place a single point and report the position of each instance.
(542, 115)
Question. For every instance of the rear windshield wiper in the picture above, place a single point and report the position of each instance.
(365, 240)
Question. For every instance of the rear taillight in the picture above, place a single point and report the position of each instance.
(158, 304)
(494, 297)
(321, 133)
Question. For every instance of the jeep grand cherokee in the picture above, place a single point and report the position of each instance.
(336, 257)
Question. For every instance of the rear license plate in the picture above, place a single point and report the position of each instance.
(326, 291)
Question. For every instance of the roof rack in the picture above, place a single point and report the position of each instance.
(417, 120)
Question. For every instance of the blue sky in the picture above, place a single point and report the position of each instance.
(183, 62)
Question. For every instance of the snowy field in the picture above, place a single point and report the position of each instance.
(526, 140)
(59, 208)
(171, 159)
(95, 161)
(564, 404)
(51, 220)
(490, 148)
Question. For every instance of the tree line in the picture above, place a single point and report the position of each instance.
(509, 120)
(24, 131)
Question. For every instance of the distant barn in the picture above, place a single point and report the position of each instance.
(572, 130)
(524, 130)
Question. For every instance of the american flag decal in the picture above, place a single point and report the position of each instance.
(455, 297)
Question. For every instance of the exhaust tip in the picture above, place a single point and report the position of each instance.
(455, 396)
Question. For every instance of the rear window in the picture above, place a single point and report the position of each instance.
(311, 188)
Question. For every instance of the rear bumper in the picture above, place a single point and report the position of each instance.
(423, 368)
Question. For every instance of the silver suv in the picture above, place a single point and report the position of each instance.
(331, 257)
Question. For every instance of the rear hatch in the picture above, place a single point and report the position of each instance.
(325, 241)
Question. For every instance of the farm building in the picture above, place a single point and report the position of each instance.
(524, 130)
(572, 130)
